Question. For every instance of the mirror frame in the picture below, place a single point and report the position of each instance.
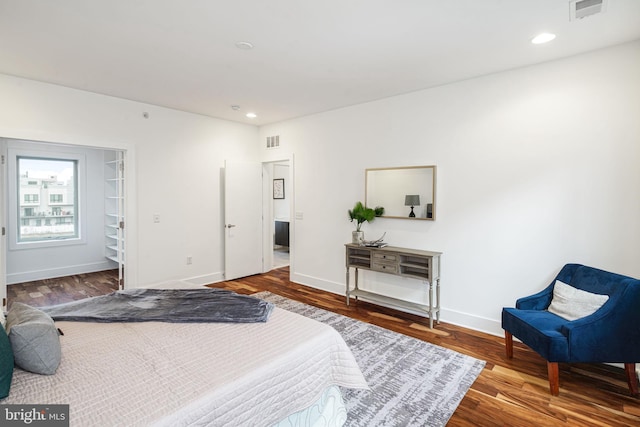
(433, 189)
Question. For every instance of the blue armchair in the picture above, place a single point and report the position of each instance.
(609, 335)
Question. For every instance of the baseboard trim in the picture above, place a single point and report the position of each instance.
(466, 320)
(52, 273)
(205, 279)
(471, 321)
(314, 282)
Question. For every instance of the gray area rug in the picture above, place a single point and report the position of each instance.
(413, 382)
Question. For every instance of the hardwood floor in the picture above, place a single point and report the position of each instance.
(63, 289)
(507, 393)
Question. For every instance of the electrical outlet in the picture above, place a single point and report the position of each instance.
(299, 215)
(156, 218)
(189, 260)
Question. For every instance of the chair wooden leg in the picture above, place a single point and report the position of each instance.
(554, 378)
(508, 342)
(632, 377)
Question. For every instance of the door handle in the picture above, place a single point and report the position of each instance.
(230, 225)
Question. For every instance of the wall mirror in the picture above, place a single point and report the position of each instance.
(404, 192)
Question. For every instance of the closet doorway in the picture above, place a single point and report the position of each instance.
(63, 211)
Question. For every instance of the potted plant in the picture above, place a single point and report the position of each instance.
(359, 214)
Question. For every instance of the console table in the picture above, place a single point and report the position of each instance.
(412, 263)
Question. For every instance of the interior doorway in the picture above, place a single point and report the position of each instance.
(41, 206)
(278, 207)
(245, 224)
(281, 214)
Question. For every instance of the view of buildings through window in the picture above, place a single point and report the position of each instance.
(47, 201)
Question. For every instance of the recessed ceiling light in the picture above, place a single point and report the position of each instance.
(244, 45)
(251, 115)
(543, 38)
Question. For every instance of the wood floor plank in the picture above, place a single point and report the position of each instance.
(508, 392)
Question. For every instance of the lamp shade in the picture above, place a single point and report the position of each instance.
(411, 200)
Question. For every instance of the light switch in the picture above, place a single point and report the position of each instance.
(299, 215)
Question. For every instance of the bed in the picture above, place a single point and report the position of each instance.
(285, 371)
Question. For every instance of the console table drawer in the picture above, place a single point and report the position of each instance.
(386, 257)
(386, 267)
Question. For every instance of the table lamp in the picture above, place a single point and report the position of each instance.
(412, 200)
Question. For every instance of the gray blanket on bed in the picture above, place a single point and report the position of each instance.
(165, 305)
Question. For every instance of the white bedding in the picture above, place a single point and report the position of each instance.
(191, 374)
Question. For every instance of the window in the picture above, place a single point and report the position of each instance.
(44, 170)
(58, 174)
(31, 198)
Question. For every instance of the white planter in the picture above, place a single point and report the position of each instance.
(357, 237)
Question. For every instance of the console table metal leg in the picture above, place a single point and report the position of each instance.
(438, 300)
(348, 296)
(431, 304)
(356, 282)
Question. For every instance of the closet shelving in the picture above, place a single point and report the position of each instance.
(114, 209)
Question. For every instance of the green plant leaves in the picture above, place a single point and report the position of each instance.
(360, 213)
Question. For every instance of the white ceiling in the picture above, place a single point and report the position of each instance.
(309, 56)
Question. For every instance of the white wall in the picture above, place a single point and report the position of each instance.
(175, 168)
(537, 167)
(88, 255)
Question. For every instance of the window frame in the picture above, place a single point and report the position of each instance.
(57, 198)
(13, 182)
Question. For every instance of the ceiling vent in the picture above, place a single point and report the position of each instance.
(273, 141)
(579, 9)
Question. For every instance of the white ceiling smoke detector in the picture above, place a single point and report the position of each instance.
(579, 9)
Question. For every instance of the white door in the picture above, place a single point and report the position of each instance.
(3, 232)
(242, 219)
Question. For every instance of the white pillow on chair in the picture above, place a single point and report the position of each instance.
(572, 303)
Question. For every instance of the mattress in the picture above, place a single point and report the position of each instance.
(328, 411)
(171, 374)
